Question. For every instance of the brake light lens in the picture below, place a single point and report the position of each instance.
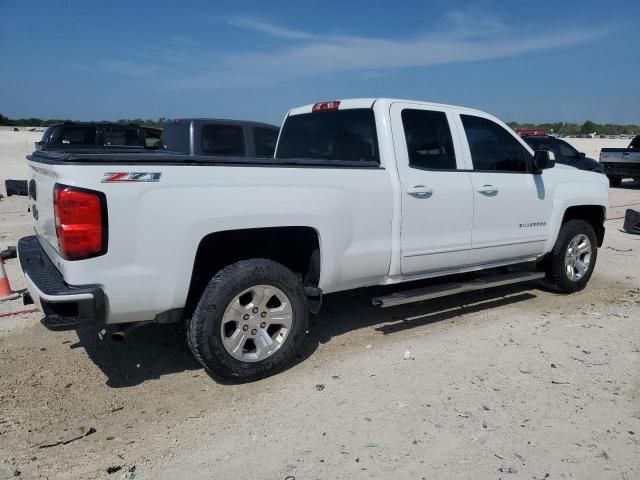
(81, 222)
(322, 106)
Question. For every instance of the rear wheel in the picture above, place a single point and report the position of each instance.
(250, 321)
(615, 181)
(571, 262)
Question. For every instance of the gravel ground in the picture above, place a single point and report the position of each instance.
(509, 383)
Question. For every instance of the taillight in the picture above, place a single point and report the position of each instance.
(322, 106)
(81, 222)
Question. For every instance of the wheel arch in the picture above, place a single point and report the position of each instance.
(296, 247)
(594, 215)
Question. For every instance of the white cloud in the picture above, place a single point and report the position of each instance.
(268, 28)
(461, 37)
(181, 40)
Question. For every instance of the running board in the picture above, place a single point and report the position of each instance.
(437, 291)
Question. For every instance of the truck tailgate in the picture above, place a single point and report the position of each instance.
(43, 179)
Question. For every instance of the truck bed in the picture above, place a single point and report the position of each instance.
(100, 157)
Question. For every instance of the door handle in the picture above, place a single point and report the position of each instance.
(420, 191)
(488, 190)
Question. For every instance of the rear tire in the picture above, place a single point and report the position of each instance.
(250, 321)
(615, 181)
(571, 262)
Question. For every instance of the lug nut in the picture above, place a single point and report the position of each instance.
(245, 328)
(263, 314)
(246, 316)
(255, 310)
(262, 325)
(254, 331)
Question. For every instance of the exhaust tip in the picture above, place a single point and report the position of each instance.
(118, 337)
(124, 329)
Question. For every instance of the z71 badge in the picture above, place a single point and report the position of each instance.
(125, 177)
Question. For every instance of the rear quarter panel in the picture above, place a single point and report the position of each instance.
(156, 227)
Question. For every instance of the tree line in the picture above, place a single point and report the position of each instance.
(39, 122)
(587, 127)
(560, 128)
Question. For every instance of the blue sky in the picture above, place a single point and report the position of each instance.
(523, 61)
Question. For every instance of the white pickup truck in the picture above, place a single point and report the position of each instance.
(361, 192)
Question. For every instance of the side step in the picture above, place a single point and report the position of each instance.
(437, 291)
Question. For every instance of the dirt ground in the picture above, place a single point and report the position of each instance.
(508, 383)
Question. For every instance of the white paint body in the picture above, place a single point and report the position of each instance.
(371, 231)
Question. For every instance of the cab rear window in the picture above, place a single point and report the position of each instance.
(334, 135)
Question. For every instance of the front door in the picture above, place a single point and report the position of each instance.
(437, 201)
(512, 205)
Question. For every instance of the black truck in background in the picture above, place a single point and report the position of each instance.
(206, 136)
(83, 135)
(191, 136)
(197, 137)
(620, 163)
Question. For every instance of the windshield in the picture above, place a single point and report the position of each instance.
(330, 135)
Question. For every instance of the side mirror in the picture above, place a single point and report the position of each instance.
(581, 155)
(543, 159)
(39, 145)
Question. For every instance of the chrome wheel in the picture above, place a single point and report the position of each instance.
(578, 257)
(256, 323)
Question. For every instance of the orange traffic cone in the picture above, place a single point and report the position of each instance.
(5, 289)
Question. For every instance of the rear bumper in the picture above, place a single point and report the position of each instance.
(622, 169)
(65, 307)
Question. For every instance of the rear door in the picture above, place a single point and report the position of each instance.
(511, 204)
(437, 201)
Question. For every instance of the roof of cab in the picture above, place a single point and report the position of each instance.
(349, 103)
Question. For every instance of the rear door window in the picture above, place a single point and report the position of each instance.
(332, 135)
(429, 142)
(151, 139)
(265, 139)
(493, 148)
(223, 140)
(175, 137)
(123, 137)
(74, 135)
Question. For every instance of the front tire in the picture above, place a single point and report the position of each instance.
(250, 321)
(571, 262)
